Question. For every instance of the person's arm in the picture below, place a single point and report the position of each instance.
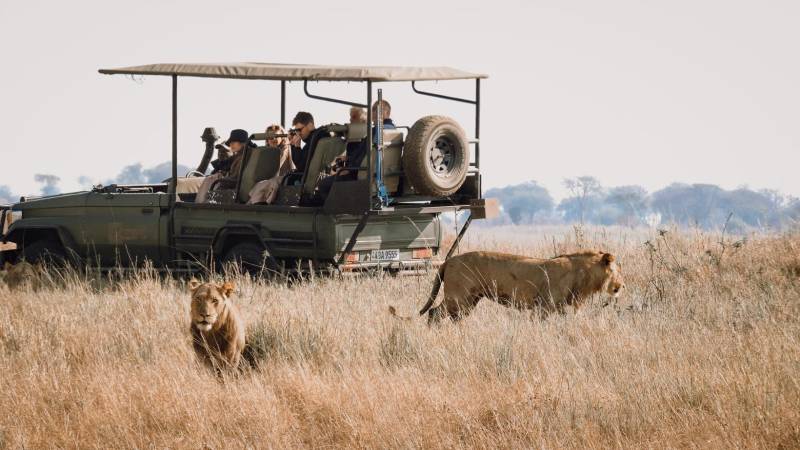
(217, 165)
(297, 157)
(286, 164)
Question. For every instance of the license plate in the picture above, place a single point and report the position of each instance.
(385, 255)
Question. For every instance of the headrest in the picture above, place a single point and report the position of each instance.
(392, 137)
(356, 132)
(188, 185)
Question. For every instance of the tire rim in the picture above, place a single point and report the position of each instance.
(443, 156)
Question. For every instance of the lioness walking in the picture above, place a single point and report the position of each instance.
(520, 281)
(217, 330)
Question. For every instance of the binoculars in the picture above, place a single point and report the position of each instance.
(271, 135)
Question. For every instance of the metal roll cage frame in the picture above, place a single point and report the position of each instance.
(476, 102)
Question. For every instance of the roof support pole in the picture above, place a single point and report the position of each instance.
(174, 180)
(370, 175)
(283, 104)
(383, 195)
(352, 242)
(461, 233)
(478, 122)
(328, 99)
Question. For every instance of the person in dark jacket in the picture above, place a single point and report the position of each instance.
(303, 129)
(356, 151)
(226, 170)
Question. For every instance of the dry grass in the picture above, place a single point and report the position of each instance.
(702, 352)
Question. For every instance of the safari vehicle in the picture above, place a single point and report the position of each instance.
(387, 218)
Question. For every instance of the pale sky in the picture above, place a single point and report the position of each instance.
(632, 92)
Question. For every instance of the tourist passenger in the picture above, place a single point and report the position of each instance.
(265, 192)
(303, 129)
(357, 115)
(356, 151)
(226, 171)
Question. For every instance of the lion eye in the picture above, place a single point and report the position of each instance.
(216, 301)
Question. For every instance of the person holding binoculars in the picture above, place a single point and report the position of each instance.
(265, 191)
(303, 129)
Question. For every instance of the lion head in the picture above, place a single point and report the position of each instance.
(209, 301)
(611, 274)
(22, 274)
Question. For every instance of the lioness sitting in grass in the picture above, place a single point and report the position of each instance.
(545, 284)
(217, 329)
(22, 274)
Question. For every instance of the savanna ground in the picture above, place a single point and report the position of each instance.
(701, 351)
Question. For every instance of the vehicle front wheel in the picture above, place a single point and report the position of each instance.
(46, 252)
(252, 259)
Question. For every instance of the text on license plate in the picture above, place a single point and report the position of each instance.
(385, 255)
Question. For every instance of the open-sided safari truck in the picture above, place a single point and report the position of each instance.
(388, 217)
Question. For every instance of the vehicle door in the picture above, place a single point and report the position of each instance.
(125, 227)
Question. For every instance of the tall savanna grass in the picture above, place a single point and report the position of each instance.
(701, 351)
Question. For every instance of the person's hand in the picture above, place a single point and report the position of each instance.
(295, 140)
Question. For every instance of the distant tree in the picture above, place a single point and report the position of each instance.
(754, 209)
(696, 204)
(630, 201)
(778, 202)
(709, 206)
(84, 180)
(6, 197)
(136, 174)
(131, 174)
(584, 190)
(791, 213)
(523, 202)
(161, 172)
(49, 183)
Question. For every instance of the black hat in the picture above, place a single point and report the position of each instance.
(238, 136)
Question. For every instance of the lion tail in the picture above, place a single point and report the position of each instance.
(437, 285)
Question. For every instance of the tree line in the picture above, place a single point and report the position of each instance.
(697, 205)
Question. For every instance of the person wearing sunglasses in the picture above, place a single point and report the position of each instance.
(265, 191)
(226, 171)
(303, 129)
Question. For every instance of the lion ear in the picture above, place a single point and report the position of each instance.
(193, 284)
(608, 258)
(227, 288)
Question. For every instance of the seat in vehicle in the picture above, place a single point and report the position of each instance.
(260, 163)
(188, 185)
(326, 150)
(392, 160)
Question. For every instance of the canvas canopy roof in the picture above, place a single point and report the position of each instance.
(299, 72)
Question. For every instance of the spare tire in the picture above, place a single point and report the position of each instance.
(436, 156)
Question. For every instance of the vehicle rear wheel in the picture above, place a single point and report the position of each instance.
(436, 156)
(252, 259)
(48, 252)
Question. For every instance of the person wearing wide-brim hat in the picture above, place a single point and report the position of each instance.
(228, 168)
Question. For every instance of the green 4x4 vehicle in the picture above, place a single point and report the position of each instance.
(386, 218)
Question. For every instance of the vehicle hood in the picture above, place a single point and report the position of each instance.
(69, 200)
